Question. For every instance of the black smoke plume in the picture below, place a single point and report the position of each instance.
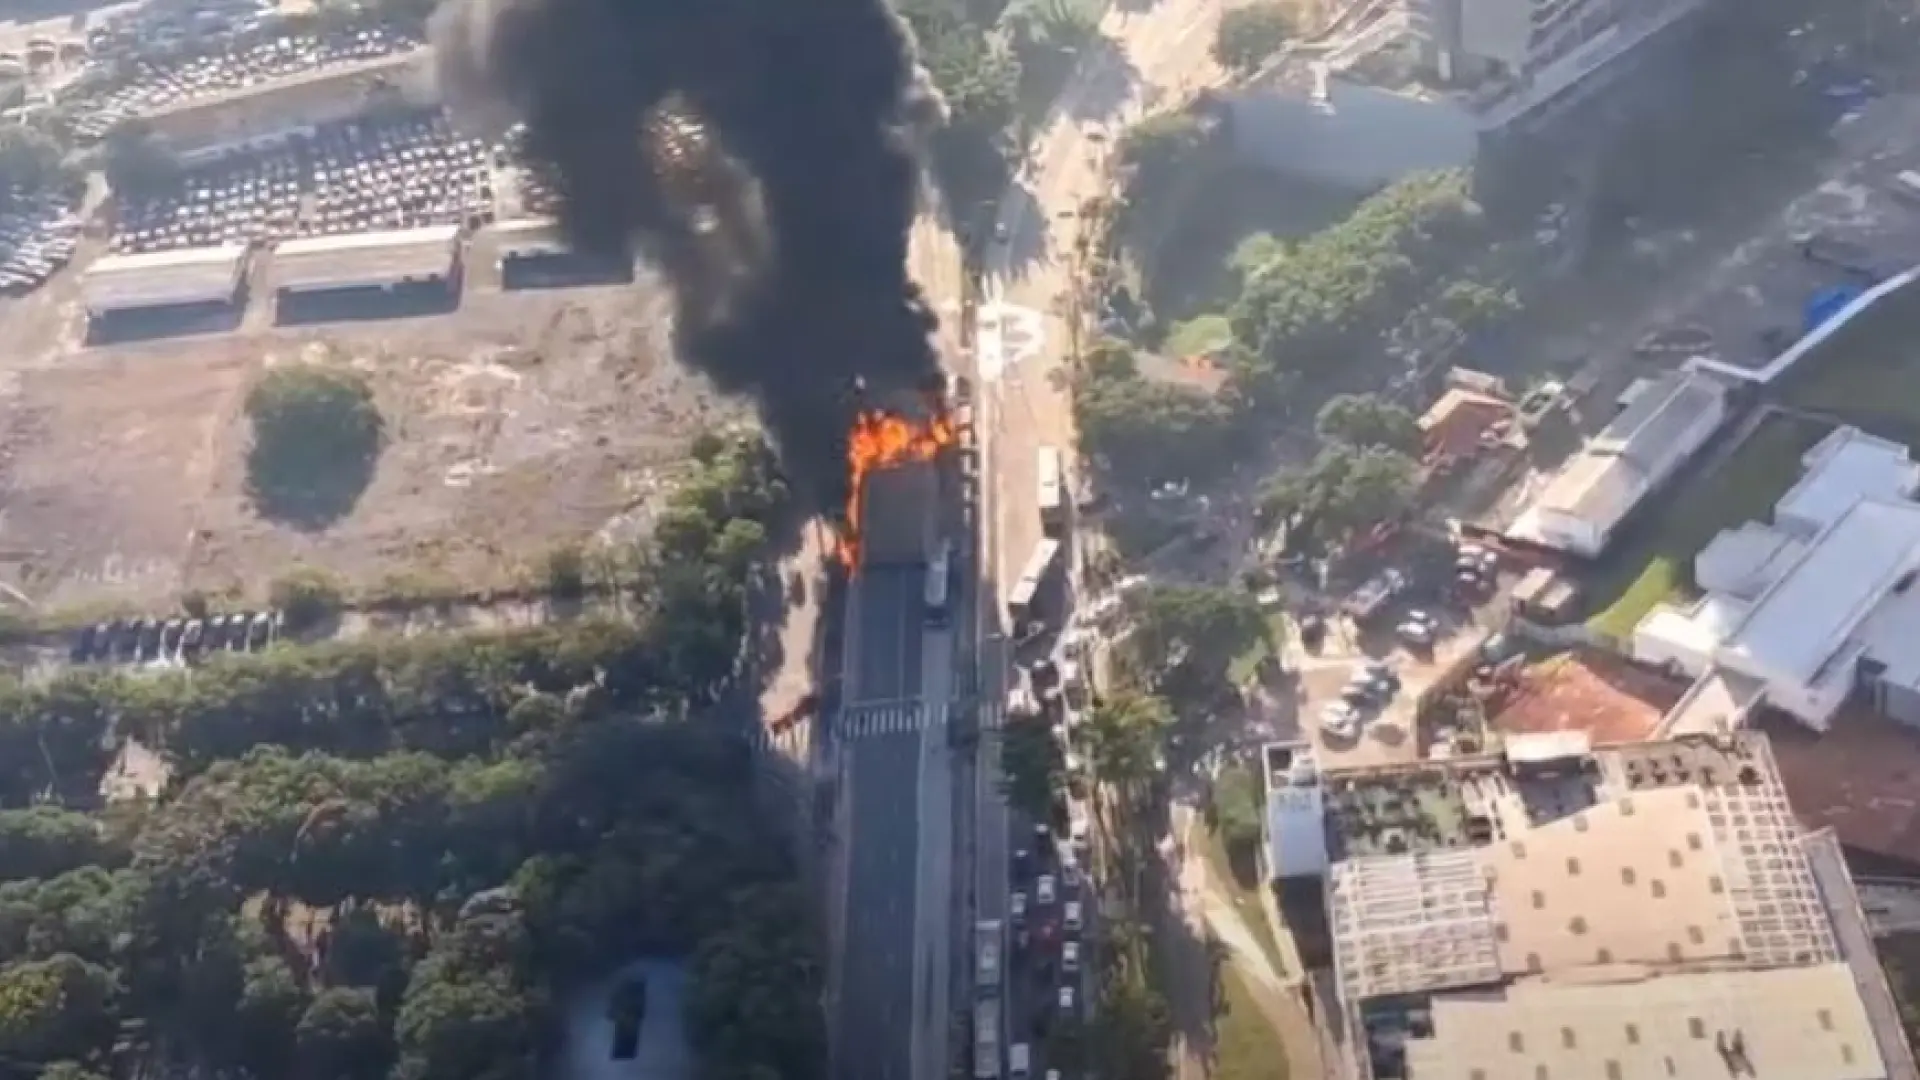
(760, 151)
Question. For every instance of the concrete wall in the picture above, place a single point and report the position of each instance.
(1361, 138)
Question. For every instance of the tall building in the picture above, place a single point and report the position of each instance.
(1560, 912)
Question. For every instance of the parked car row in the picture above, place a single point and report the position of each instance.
(37, 238)
(180, 638)
(1047, 907)
(145, 85)
(401, 172)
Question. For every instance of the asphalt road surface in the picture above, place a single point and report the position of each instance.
(874, 1024)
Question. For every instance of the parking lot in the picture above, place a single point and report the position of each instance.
(139, 86)
(401, 172)
(1360, 676)
(37, 239)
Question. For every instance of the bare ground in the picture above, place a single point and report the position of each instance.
(520, 422)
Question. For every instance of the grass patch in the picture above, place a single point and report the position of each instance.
(1241, 879)
(1655, 563)
(1864, 373)
(1245, 1045)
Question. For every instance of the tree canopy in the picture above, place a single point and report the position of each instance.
(396, 858)
(1365, 420)
(316, 436)
(1147, 429)
(1249, 35)
(1344, 491)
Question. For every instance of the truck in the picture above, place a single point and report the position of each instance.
(986, 1040)
(1052, 498)
(986, 938)
(1026, 602)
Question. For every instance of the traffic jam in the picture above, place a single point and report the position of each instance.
(1049, 902)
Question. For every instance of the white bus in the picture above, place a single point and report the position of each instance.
(986, 1039)
(939, 582)
(986, 937)
(1022, 600)
(1053, 495)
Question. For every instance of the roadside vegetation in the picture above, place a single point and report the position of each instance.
(398, 858)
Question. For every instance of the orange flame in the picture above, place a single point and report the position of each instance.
(883, 440)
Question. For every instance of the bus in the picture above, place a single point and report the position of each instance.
(1052, 496)
(939, 583)
(1026, 598)
(986, 1039)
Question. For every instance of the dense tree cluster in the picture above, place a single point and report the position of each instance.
(1147, 430)
(1322, 301)
(1251, 34)
(316, 436)
(1344, 491)
(395, 859)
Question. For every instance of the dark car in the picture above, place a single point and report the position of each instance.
(83, 645)
(147, 644)
(260, 631)
(170, 632)
(191, 636)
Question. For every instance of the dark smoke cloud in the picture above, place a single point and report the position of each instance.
(812, 105)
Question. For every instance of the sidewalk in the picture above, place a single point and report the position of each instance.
(1279, 999)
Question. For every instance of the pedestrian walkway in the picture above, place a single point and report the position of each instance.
(870, 719)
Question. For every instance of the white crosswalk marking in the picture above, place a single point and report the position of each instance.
(871, 719)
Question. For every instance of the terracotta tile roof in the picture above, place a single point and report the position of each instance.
(1610, 700)
(1456, 423)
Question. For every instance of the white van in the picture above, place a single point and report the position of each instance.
(1018, 1061)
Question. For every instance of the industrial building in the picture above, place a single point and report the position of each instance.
(367, 275)
(169, 291)
(1579, 510)
(533, 255)
(1815, 607)
(1563, 911)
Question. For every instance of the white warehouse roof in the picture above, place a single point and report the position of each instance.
(1805, 619)
(1846, 466)
(366, 260)
(163, 279)
(1641, 448)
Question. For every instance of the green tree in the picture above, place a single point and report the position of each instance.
(1366, 420)
(307, 596)
(1201, 626)
(47, 841)
(1124, 735)
(1343, 492)
(341, 1036)
(136, 160)
(1032, 767)
(1237, 811)
(1145, 431)
(1250, 35)
(60, 1007)
(29, 159)
(1153, 155)
(316, 436)
(1040, 25)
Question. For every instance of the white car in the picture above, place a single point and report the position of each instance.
(1070, 957)
(1043, 890)
(1069, 868)
(1340, 720)
(1070, 916)
(1017, 906)
(1066, 999)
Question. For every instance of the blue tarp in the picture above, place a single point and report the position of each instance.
(1827, 303)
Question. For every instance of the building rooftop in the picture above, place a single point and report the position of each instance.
(163, 278)
(1607, 699)
(1798, 626)
(1843, 468)
(1805, 1022)
(1860, 778)
(366, 259)
(1565, 909)
(1296, 815)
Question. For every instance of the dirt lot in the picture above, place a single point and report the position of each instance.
(1609, 699)
(518, 422)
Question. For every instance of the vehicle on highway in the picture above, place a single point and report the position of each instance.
(1069, 868)
(939, 582)
(1043, 890)
(1066, 999)
(1070, 915)
(986, 1039)
(1052, 497)
(1019, 1061)
(986, 936)
(1027, 603)
(1017, 906)
(1070, 957)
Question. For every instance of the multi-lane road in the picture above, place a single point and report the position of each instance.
(904, 856)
